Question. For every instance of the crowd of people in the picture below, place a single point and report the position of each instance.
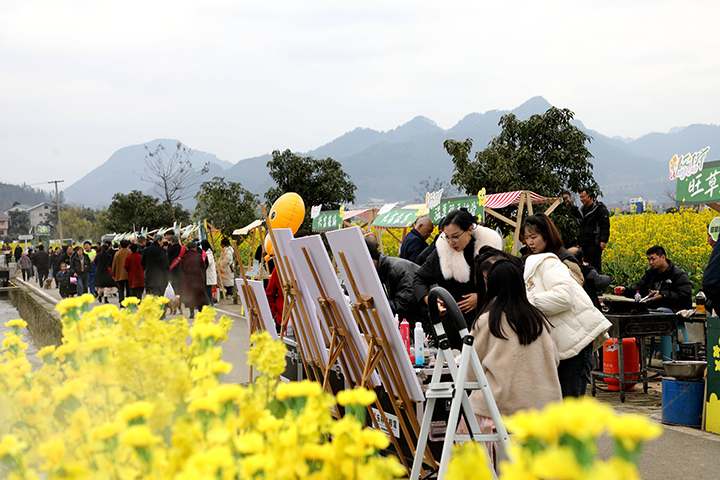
(536, 317)
(130, 269)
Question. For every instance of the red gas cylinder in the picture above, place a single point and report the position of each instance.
(631, 361)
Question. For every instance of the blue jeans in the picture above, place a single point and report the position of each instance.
(574, 373)
(82, 283)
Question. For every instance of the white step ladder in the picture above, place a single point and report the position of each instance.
(456, 390)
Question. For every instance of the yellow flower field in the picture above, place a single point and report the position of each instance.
(682, 234)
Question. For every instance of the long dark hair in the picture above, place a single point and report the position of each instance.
(542, 224)
(506, 294)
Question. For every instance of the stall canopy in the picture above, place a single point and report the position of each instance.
(248, 228)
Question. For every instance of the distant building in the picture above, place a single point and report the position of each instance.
(4, 225)
(38, 214)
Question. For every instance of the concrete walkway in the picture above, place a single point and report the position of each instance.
(234, 348)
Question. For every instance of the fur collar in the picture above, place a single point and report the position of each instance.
(453, 264)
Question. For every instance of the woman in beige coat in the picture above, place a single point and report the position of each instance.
(225, 267)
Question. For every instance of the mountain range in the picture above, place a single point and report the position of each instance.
(389, 166)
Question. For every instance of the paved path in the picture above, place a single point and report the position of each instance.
(234, 348)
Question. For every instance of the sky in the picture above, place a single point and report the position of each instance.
(82, 79)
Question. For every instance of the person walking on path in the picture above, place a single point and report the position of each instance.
(193, 268)
(104, 280)
(210, 272)
(18, 253)
(225, 267)
(118, 268)
(157, 269)
(64, 277)
(42, 263)
(175, 253)
(135, 272)
(81, 265)
(25, 266)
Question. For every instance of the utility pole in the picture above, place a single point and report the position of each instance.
(57, 201)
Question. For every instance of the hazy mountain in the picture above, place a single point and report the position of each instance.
(24, 194)
(388, 166)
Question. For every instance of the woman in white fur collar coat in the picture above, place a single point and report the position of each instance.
(452, 265)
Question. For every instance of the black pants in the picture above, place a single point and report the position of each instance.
(123, 288)
(593, 255)
(574, 373)
(136, 292)
(27, 273)
(42, 275)
(157, 291)
(209, 300)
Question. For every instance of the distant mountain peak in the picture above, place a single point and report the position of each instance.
(534, 106)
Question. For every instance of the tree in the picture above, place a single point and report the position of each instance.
(433, 185)
(317, 181)
(545, 154)
(19, 223)
(140, 210)
(226, 205)
(173, 176)
(77, 222)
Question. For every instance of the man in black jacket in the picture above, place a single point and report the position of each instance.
(42, 263)
(157, 268)
(80, 265)
(396, 275)
(669, 286)
(594, 230)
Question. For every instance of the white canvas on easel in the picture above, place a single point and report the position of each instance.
(266, 318)
(331, 285)
(351, 242)
(283, 237)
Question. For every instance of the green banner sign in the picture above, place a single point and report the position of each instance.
(396, 218)
(326, 221)
(700, 187)
(471, 203)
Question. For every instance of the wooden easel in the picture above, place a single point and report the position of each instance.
(381, 356)
(252, 310)
(307, 344)
(340, 344)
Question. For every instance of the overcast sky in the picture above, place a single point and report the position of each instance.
(81, 79)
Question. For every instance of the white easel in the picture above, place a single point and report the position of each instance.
(456, 390)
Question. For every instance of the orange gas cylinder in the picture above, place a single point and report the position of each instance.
(631, 361)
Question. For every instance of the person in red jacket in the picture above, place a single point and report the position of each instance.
(275, 298)
(135, 272)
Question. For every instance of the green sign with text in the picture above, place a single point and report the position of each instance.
(396, 218)
(326, 221)
(471, 203)
(699, 187)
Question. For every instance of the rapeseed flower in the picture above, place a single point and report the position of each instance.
(356, 396)
(17, 323)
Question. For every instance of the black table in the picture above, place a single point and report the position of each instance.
(639, 326)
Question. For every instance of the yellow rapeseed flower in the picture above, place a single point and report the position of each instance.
(136, 410)
(139, 436)
(248, 443)
(630, 430)
(130, 301)
(19, 323)
(376, 439)
(108, 430)
(305, 388)
(11, 445)
(52, 451)
(204, 404)
(469, 460)
(356, 396)
(45, 351)
(558, 463)
(207, 330)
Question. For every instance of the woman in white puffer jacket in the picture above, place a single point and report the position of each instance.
(550, 287)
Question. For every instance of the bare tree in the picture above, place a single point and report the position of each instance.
(173, 176)
(433, 185)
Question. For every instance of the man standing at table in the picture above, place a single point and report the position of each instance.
(416, 241)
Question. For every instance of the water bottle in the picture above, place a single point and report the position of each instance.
(405, 334)
(419, 335)
(700, 304)
(638, 297)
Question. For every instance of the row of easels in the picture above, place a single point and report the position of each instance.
(328, 328)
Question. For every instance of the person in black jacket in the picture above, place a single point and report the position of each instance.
(42, 263)
(81, 265)
(669, 285)
(594, 282)
(711, 278)
(157, 268)
(594, 230)
(396, 275)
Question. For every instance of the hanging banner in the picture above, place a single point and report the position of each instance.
(433, 199)
(683, 166)
(315, 211)
(395, 219)
(326, 221)
(386, 208)
(471, 203)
